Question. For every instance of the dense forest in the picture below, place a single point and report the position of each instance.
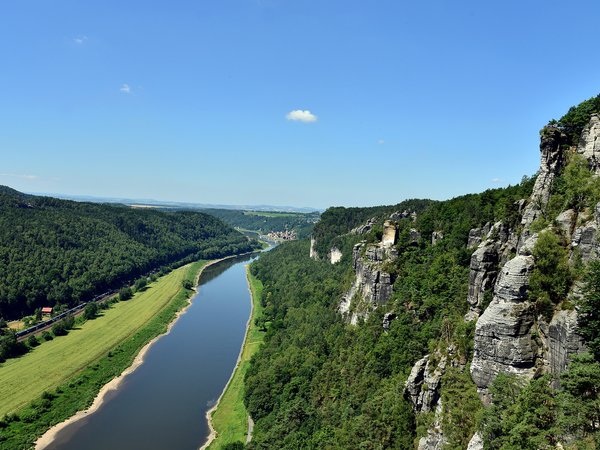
(265, 222)
(321, 383)
(58, 252)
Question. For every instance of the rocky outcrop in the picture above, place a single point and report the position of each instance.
(589, 143)
(566, 222)
(552, 161)
(372, 285)
(476, 235)
(476, 442)
(335, 255)
(584, 241)
(387, 320)
(364, 229)
(434, 440)
(503, 338)
(436, 236)
(403, 215)
(313, 248)
(482, 275)
(492, 251)
(414, 236)
(390, 234)
(561, 341)
(422, 386)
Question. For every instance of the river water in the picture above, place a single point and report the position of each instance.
(163, 403)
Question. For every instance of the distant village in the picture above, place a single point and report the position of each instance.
(287, 235)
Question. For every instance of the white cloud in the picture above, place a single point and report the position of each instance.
(125, 89)
(80, 40)
(301, 116)
(496, 180)
(18, 175)
(380, 141)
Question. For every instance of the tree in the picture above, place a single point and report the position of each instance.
(140, 284)
(91, 311)
(589, 310)
(261, 323)
(32, 341)
(580, 398)
(125, 293)
(237, 445)
(187, 284)
(551, 278)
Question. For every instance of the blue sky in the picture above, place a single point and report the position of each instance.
(189, 100)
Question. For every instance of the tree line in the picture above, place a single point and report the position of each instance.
(57, 252)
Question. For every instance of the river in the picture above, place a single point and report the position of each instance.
(163, 403)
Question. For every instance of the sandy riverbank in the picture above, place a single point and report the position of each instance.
(49, 436)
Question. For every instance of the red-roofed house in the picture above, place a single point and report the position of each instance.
(46, 310)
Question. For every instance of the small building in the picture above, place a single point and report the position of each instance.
(47, 310)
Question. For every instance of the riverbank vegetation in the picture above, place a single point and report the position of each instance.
(230, 418)
(51, 383)
(59, 253)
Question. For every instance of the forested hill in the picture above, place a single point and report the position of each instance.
(61, 252)
(467, 323)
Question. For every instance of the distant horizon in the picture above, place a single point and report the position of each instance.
(160, 202)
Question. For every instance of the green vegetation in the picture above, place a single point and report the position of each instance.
(576, 188)
(319, 383)
(461, 408)
(230, 418)
(536, 415)
(64, 375)
(589, 309)
(573, 122)
(265, 222)
(551, 278)
(62, 252)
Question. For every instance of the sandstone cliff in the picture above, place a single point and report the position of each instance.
(510, 337)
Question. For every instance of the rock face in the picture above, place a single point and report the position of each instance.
(313, 248)
(335, 255)
(434, 440)
(562, 341)
(552, 161)
(436, 236)
(387, 320)
(422, 386)
(491, 252)
(503, 338)
(422, 389)
(482, 275)
(584, 240)
(372, 285)
(476, 442)
(589, 143)
(477, 234)
(509, 336)
(390, 234)
(364, 229)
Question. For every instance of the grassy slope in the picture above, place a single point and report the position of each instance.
(230, 419)
(79, 364)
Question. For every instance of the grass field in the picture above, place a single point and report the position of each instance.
(230, 419)
(88, 358)
(24, 379)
